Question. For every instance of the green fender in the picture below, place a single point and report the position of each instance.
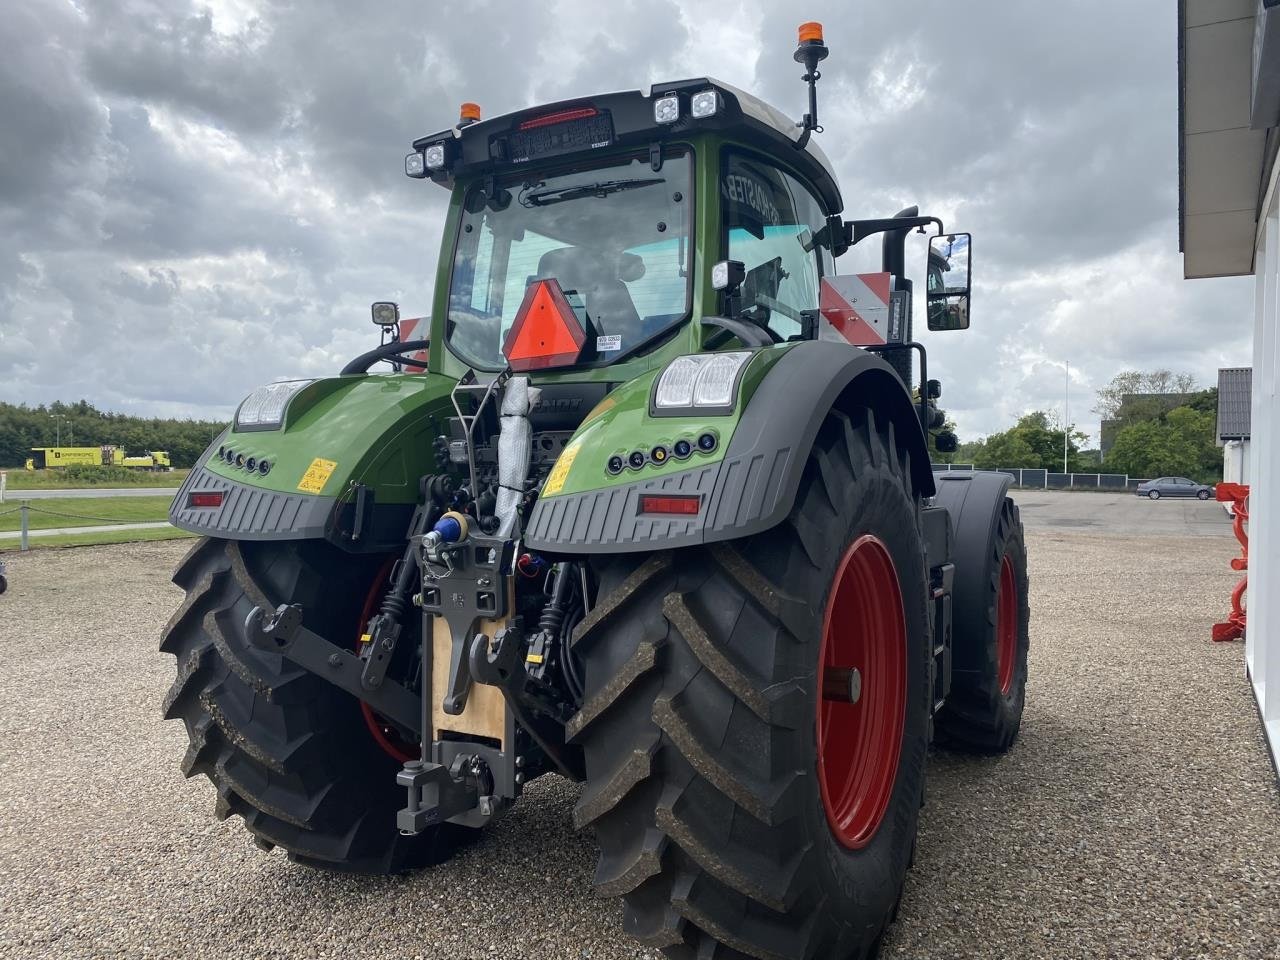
(751, 482)
(346, 442)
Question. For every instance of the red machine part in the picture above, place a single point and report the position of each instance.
(416, 328)
(1236, 494)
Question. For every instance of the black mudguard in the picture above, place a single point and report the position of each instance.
(973, 502)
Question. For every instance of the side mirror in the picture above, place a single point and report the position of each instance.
(948, 282)
(387, 314)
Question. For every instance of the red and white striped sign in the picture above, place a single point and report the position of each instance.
(416, 328)
(855, 308)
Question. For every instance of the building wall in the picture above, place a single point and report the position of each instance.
(1262, 643)
(1235, 464)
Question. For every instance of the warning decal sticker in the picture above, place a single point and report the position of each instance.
(317, 475)
(560, 472)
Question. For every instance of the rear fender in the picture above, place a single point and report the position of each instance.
(345, 441)
(753, 485)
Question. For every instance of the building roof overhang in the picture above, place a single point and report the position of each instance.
(1228, 108)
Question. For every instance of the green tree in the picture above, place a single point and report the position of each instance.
(82, 425)
(1034, 442)
(1110, 399)
(1008, 449)
(1180, 443)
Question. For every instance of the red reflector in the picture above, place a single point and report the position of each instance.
(560, 116)
(680, 504)
(204, 499)
(546, 331)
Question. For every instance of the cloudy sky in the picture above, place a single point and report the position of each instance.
(196, 198)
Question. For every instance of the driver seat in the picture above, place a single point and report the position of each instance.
(596, 281)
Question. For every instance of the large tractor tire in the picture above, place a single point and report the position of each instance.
(288, 752)
(990, 641)
(747, 801)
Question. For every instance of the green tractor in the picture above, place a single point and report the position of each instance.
(649, 507)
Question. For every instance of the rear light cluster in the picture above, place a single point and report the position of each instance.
(671, 504)
(560, 116)
(661, 454)
(243, 461)
(205, 499)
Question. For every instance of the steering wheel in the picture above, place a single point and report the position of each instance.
(769, 303)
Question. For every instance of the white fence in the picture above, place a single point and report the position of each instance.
(1048, 480)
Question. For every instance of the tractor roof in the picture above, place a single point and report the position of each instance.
(575, 128)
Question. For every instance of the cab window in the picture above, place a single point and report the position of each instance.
(770, 221)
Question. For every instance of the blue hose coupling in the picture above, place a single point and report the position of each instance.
(451, 528)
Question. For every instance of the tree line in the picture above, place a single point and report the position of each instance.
(1161, 425)
(83, 425)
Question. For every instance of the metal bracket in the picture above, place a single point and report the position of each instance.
(283, 633)
(435, 794)
(472, 586)
(383, 636)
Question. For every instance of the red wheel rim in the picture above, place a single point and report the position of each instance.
(862, 692)
(382, 732)
(1006, 625)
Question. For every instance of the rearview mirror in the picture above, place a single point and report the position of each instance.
(948, 282)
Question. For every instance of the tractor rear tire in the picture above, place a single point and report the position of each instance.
(990, 642)
(705, 671)
(287, 751)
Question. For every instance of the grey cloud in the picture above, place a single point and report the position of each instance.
(218, 208)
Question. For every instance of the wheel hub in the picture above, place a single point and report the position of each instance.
(862, 683)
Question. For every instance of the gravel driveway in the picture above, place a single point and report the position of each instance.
(1136, 817)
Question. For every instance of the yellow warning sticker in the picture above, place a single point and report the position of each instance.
(317, 474)
(560, 472)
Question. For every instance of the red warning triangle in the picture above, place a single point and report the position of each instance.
(546, 332)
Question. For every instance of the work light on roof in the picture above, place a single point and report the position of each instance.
(415, 165)
(434, 156)
(667, 109)
(704, 104)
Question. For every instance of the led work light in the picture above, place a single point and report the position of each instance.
(264, 408)
(705, 383)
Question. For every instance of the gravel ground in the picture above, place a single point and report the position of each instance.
(1137, 816)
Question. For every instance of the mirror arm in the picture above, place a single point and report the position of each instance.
(855, 231)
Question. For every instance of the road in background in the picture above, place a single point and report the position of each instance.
(97, 528)
(1123, 514)
(80, 492)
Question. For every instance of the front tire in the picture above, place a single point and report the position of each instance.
(287, 751)
(704, 724)
(990, 643)
(1154, 495)
(1202, 495)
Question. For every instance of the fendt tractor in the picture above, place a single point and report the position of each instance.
(651, 508)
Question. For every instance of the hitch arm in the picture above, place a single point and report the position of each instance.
(282, 632)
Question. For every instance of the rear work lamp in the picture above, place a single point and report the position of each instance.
(264, 408)
(705, 383)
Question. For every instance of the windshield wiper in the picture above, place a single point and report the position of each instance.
(603, 188)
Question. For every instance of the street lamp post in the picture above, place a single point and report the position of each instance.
(58, 418)
(1066, 411)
